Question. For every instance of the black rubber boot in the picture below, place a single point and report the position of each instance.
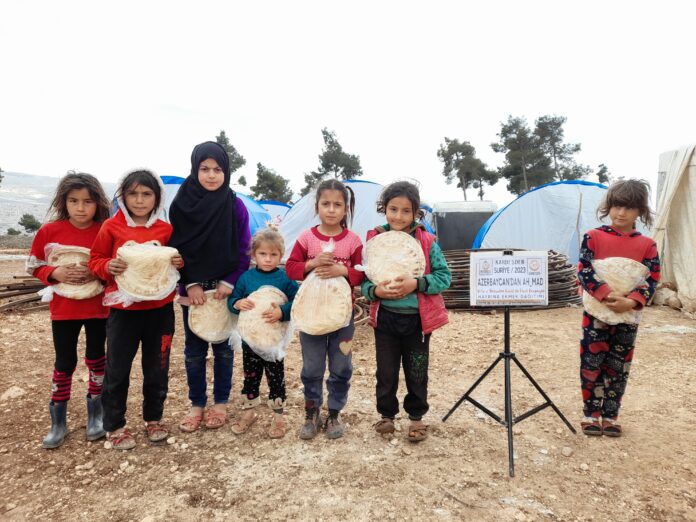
(95, 428)
(59, 428)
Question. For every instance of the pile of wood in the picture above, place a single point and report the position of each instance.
(563, 283)
(21, 294)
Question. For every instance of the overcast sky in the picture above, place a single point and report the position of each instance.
(103, 89)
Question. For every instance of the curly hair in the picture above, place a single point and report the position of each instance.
(58, 210)
(400, 189)
(630, 193)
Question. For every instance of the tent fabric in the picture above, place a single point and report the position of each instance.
(276, 209)
(675, 233)
(302, 216)
(550, 217)
(258, 216)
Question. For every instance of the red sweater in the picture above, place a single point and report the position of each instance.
(347, 251)
(64, 233)
(112, 235)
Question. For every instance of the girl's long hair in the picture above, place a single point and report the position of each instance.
(348, 198)
(403, 189)
(58, 211)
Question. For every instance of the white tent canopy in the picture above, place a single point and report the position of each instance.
(675, 226)
(550, 217)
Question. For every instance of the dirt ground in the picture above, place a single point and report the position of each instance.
(459, 473)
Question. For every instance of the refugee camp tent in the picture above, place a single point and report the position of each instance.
(276, 209)
(675, 224)
(554, 216)
(258, 216)
(458, 222)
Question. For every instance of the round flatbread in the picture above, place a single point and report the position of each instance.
(622, 275)
(255, 331)
(212, 321)
(68, 255)
(393, 254)
(150, 275)
(322, 306)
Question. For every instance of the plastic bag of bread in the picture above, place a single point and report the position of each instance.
(268, 340)
(212, 321)
(69, 255)
(393, 254)
(150, 275)
(322, 306)
(622, 275)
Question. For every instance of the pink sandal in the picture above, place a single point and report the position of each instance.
(215, 419)
(190, 423)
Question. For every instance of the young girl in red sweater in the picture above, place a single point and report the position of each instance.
(77, 211)
(606, 350)
(150, 323)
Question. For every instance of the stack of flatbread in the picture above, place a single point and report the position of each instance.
(393, 254)
(212, 321)
(622, 275)
(261, 336)
(322, 306)
(68, 255)
(150, 275)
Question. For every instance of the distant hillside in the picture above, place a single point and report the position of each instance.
(28, 194)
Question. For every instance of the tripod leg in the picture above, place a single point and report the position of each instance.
(543, 394)
(509, 418)
(473, 387)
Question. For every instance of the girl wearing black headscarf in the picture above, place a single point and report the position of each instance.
(211, 231)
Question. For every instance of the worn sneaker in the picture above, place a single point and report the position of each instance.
(335, 427)
(312, 424)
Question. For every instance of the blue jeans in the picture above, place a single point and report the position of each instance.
(315, 349)
(195, 352)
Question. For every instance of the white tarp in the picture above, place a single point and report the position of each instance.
(675, 224)
(302, 215)
(550, 217)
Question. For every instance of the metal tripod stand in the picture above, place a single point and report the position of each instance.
(506, 356)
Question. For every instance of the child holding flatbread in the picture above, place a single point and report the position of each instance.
(404, 312)
(606, 350)
(334, 205)
(78, 210)
(267, 249)
(140, 196)
(211, 231)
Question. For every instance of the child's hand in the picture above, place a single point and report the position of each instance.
(222, 291)
(82, 273)
(325, 259)
(196, 295)
(385, 291)
(61, 274)
(273, 314)
(117, 266)
(402, 286)
(332, 270)
(620, 304)
(244, 305)
(177, 261)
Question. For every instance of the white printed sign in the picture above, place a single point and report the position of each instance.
(520, 279)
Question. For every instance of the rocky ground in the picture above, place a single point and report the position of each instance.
(459, 473)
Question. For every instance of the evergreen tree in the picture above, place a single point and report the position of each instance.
(30, 223)
(236, 159)
(460, 161)
(270, 185)
(333, 161)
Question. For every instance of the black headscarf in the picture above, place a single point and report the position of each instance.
(204, 221)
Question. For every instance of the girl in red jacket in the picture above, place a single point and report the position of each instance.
(404, 313)
(150, 323)
(77, 211)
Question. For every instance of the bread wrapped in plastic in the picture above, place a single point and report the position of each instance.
(322, 306)
(622, 275)
(393, 254)
(268, 340)
(69, 255)
(150, 275)
(212, 321)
